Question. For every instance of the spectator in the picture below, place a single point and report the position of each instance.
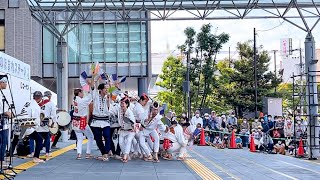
(280, 148)
(223, 126)
(196, 133)
(266, 143)
(256, 124)
(245, 131)
(292, 145)
(225, 141)
(196, 120)
(239, 142)
(217, 142)
(278, 132)
(288, 128)
(232, 120)
(207, 139)
(206, 120)
(300, 129)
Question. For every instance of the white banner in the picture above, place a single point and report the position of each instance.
(285, 47)
(14, 67)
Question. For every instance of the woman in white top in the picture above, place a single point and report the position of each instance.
(80, 121)
(126, 121)
(149, 128)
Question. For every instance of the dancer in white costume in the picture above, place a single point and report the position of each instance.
(148, 127)
(177, 140)
(126, 121)
(80, 122)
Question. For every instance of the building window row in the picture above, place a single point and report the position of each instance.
(108, 42)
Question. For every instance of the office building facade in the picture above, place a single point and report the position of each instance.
(122, 48)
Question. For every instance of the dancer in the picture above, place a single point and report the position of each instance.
(177, 140)
(126, 121)
(100, 124)
(148, 127)
(80, 122)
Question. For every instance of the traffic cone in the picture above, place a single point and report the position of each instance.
(233, 144)
(252, 145)
(202, 138)
(300, 149)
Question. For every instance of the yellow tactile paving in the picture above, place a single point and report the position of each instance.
(30, 164)
(217, 166)
(200, 169)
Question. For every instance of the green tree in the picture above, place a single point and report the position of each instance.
(202, 49)
(172, 77)
(237, 85)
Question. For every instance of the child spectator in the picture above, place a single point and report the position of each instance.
(280, 148)
(217, 142)
(239, 142)
(196, 133)
(225, 141)
(207, 139)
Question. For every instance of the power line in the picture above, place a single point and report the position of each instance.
(271, 28)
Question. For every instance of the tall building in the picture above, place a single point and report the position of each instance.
(122, 48)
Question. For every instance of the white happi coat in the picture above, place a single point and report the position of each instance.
(126, 133)
(178, 140)
(100, 109)
(81, 109)
(33, 111)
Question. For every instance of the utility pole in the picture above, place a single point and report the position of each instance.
(255, 72)
(188, 85)
(229, 59)
(275, 67)
(301, 83)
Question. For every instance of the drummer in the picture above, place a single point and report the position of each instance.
(5, 115)
(49, 112)
(34, 111)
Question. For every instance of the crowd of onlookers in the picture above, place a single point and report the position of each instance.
(270, 134)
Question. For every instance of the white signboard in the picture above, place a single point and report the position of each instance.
(18, 74)
(14, 67)
(285, 47)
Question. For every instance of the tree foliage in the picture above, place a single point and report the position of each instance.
(237, 84)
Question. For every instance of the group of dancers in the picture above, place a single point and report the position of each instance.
(130, 128)
(123, 127)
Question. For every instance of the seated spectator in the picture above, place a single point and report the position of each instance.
(239, 142)
(188, 135)
(196, 133)
(225, 141)
(256, 124)
(280, 148)
(288, 128)
(207, 139)
(292, 145)
(217, 142)
(278, 132)
(266, 143)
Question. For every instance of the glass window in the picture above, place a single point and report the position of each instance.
(85, 42)
(123, 57)
(72, 41)
(48, 46)
(111, 56)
